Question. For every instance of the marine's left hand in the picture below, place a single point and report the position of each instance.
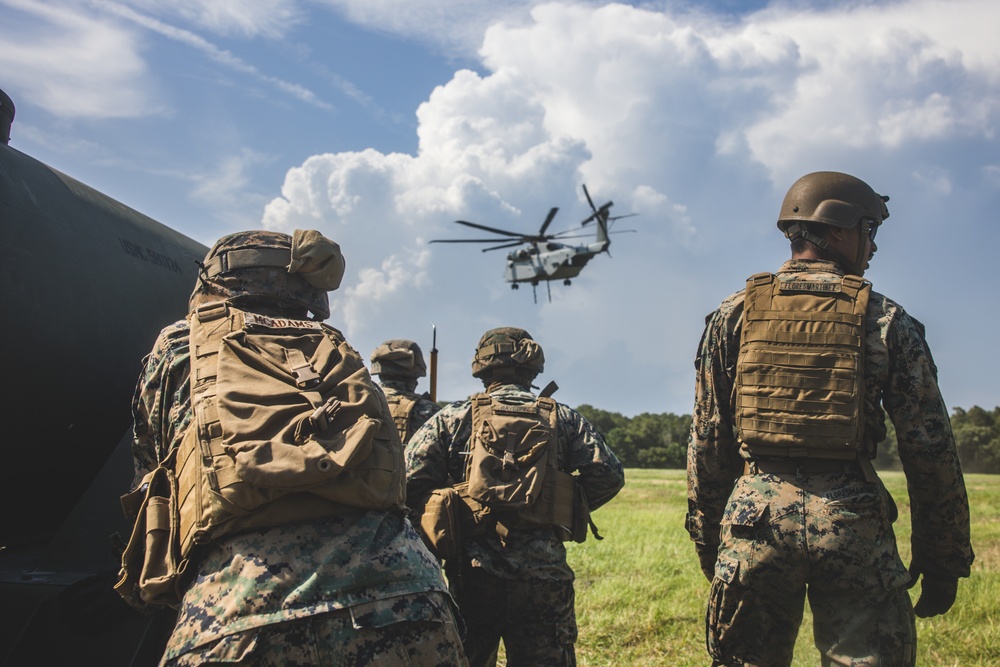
(937, 594)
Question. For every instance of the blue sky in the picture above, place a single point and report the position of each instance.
(380, 123)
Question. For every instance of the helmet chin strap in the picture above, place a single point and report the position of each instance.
(858, 267)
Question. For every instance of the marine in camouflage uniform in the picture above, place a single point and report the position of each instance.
(770, 532)
(358, 588)
(519, 590)
(399, 364)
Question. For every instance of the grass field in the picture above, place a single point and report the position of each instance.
(641, 596)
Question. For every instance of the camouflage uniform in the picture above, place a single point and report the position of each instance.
(782, 535)
(423, 409)
(357, 588)
(521, 591)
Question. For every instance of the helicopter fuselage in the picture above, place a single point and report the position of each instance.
(549, 261)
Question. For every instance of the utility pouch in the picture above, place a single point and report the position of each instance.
(558, 505)
(475, 516)
(440, 524)
(152, 570)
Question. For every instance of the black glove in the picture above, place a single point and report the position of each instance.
(937, 594)
(707, 555)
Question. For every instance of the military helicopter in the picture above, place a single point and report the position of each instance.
(545, 257)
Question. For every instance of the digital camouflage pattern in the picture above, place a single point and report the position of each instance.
(536, 619)
(363, 635)
(371, 564)
(832, 532)
(273, 283)
(423, 409)
(529, 571)
(508, 348)
(750, 521)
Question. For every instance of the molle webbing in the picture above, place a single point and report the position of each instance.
(401, 407)
(799, 379)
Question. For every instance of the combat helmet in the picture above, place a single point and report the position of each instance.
(400, 358)
(261, 266)
(508, 351)
(830, 198)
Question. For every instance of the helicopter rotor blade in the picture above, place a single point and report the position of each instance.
(589, 200)
(467, 241)
(548, 221)
(505, 245)
(580, 235)
(488, 229)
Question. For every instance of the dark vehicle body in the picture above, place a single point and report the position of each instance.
(86, 284)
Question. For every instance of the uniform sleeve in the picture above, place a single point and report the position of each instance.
(713, 460)
(601, 473)
(161, 402)
(423, 410)
(939, 504)
(427, 455)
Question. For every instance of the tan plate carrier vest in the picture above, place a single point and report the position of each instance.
(800, 375)
(401, 407)
(287, 427)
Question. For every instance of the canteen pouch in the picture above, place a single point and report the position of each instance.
(152, 570)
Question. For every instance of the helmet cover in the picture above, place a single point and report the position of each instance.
(267, 266)
(507, 347)
(398, 357)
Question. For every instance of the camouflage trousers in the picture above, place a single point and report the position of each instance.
(828, 536)
(344, 638)
(535, 619)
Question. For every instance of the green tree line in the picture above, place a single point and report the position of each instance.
(660, 440)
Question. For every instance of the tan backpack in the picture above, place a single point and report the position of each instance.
(512, 474)
(288, 426)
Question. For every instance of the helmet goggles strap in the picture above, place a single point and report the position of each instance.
(242, 258)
